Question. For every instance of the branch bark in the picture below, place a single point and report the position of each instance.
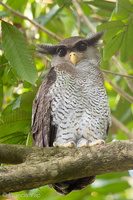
(37, 167)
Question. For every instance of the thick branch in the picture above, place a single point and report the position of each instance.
(42, 166)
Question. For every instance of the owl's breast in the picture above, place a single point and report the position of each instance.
(71, 97)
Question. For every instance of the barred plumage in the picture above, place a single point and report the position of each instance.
(71, 107)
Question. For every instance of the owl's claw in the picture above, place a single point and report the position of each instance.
(69, 144)
(82, 142)
(97, 142)
(84, 145)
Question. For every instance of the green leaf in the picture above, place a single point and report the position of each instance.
(110, 182)
(16, 4)
(104, 5)
(11, 76)
(86, 8)
(17, 53)
(112, 185)
(17, 103)
(105, 14)
(62, 2)
(14, 122)
(112, 28)
(44, 19)
(127, 44)
(14, 138)
(112, 46)
(123, 8)
(1, 94)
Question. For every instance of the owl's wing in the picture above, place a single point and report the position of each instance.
(42, 129)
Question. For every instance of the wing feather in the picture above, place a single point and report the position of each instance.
(42, 128)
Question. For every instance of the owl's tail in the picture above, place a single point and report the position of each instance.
(66, 187)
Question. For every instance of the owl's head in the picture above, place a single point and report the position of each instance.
(73, 49)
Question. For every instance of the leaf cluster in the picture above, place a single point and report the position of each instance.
(119, 31)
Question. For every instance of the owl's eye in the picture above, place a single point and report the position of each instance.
(61, 51)
(82, 46)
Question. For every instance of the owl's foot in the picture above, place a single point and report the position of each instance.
(97, 142)
(82, 143)
(69, 144)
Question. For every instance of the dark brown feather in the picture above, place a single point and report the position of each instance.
(41, 120)
(66, 187)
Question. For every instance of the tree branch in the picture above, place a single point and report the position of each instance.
(121, 126)
(16, 13)
(117, 74)
(123, 71)
(83, 16)
(37, 167)
(119, 90)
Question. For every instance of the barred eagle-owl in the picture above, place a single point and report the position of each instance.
(71, 107)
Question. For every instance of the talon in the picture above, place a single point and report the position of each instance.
(84, 145)
(55, 144)
(97, 142)
(69, 145)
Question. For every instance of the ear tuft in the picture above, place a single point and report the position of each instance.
(94, 37)
(47, 49)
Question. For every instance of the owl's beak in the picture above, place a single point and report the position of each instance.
(73, 58)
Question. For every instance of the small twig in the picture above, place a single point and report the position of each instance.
(119, 90)
(79, 23)
(117, 74)
(14, 12)
(122, 70)
(83, 16)
(119, 125)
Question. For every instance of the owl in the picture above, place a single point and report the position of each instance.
(71, 107)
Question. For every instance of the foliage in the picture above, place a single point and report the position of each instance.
(25, 23)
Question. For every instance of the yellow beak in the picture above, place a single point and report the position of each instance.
(73, 58)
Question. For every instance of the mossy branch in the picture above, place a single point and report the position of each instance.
(34, 167)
